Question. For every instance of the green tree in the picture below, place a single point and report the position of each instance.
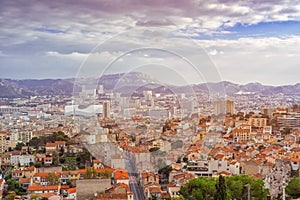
(33, 196)
(233, 187)
(37, 164)
(90, 173)
(293, 188)
(221, 191)
(55, 158)
(199, 188)
(177, 198)
(19, 146)
(106, 174)
(52, 179)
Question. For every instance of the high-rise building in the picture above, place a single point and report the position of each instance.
(224, 107)
(3, 142)
(106, 109)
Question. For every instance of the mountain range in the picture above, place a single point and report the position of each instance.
(135, 81)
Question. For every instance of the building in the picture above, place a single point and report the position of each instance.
(118, 161)
(224, 107)
(257, 122)
(121, 176)
(3, 142)
(292, 121)
(86, 187)
(242, 133)
(106, 109)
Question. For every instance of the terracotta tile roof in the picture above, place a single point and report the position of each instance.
(24, 180)
(96, 161)
(295, 159)
(121, 174)
(71, 190)
(219, 156)
(45, 174)
(29, 168)
(224, 173)
(155, 190)
(42, 188)
(81, 171)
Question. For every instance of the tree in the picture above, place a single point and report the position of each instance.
(37, 164)
(221, 193)
(55, 158)
(177, 198)
(19, 146)
(185, 159)
(106, 174)
(293, 188)
(33, 196)
(90, 173)
(52, 179)
(199, 188)
(233, 187)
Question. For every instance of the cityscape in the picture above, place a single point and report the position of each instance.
(149, 100)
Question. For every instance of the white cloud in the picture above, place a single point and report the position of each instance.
(65, 32)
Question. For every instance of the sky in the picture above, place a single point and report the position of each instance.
(175, 41)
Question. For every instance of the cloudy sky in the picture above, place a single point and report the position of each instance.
(238, 41)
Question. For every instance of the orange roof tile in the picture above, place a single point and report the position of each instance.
(71, 190)
(42, 188)
(121, 174)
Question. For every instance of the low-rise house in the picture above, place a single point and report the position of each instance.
(40, 157)
(252, 167)
(149, 178)
(38, 189)
(64, 177)
(48, 161)
(73, 175)
(118, 161)
(153, 191)
(49, 189)
(72, 193)
(29, 171)
(17, 174)
(121, 188)
(181, 178)
(24, 182)
(121, 176)
(15, 158)
(86, 187)
(41, 178)
(209, 167)
(97, 164)
(50, 148)
(235, 167)
(26, 160)
(173, 189)
(6, 159)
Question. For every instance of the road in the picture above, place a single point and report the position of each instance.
(134, 177)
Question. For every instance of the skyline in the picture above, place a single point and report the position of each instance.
(54, 39)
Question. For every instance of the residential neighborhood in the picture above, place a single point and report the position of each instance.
(47, 153)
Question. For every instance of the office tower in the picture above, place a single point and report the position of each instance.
(106, 109)
(224, 107)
